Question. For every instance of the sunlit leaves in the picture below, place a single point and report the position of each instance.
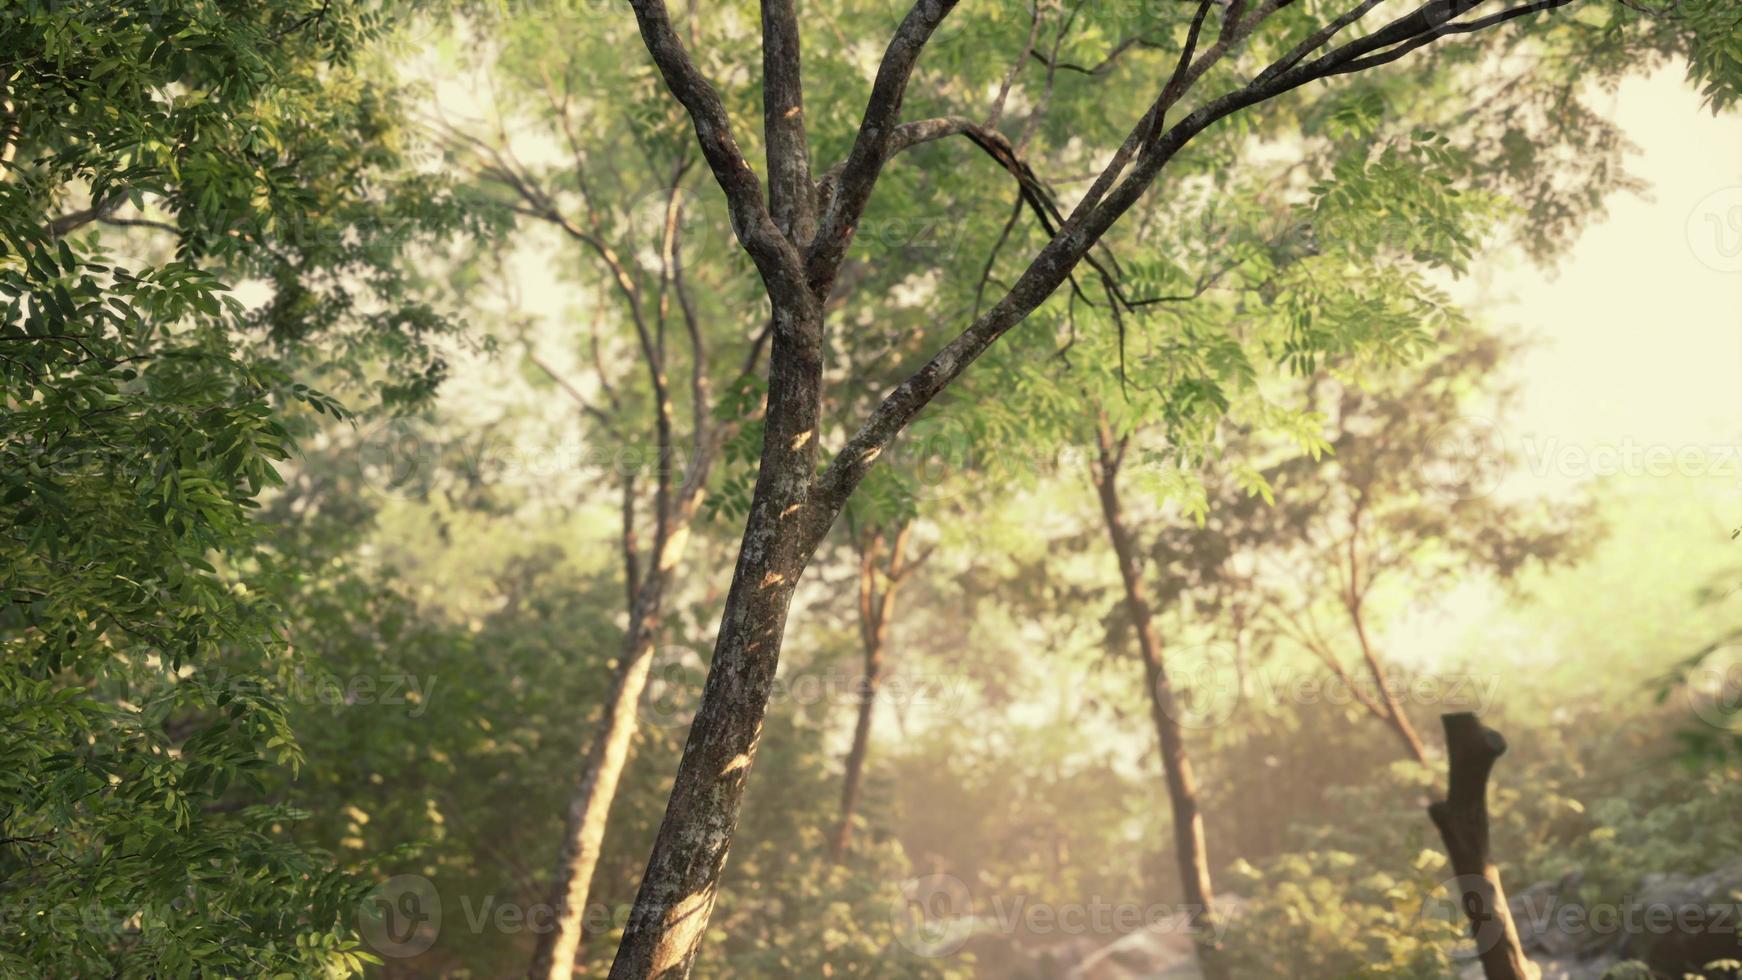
(139, 682)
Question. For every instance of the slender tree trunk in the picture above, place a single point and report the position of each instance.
(556, 950)
(1188, 823)
(554, 956)
(874, 616)
(1462, 818)
(680, 885)
(589, 810)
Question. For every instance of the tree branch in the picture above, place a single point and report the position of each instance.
(791, 196)
(1089, 221)
(871, 146)
(777, 260)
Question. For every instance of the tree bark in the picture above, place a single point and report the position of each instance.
(793, 506)
(680, 885)
(555, 953)
(1190, 851)
(1462, 819)
(875, 612)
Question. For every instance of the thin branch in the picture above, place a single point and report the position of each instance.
(571, 390)
(997, 111)
(871, 144)
(72, 221)
(791, 197)
(776, 258)
(1091, 219)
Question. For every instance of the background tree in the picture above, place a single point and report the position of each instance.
(616, 214)
(1408, 497)
(884, 562)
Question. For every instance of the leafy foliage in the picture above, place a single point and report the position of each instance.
(143, 422)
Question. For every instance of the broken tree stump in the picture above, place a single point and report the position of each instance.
(1462, 819)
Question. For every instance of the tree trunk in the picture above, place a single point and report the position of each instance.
(554, 956)
(1188, 823)
(874, 617)
(679, 888)
(1462, 819)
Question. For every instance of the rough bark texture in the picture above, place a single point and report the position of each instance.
(678, 890)
(1462, 819)
(875, 612)
(1188, 822)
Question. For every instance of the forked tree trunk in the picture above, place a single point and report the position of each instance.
(1188, 823)
(1462, 819)
(875, 611)
(793, 505)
